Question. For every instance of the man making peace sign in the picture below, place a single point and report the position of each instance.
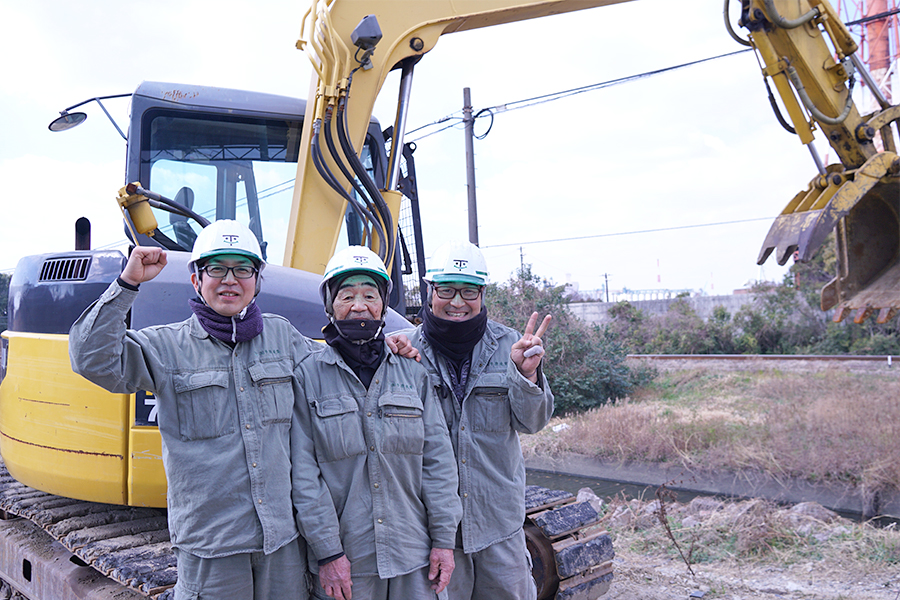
(491, 387)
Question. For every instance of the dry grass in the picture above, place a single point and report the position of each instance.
(754, 532)
(823, 426)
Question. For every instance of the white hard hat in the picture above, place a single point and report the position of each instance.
(226, 237)
(353, 259)
(457, 262)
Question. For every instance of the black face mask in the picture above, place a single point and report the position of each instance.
(453, 339)
(360, 343)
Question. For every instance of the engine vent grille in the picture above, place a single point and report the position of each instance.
(65, 269)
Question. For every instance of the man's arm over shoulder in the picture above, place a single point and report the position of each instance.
(103, 351)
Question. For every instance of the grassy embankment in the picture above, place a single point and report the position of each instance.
(828, 426)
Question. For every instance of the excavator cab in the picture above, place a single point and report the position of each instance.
(206, 154)
(810, 56)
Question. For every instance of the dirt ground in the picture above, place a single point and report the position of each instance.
(802, 551)
(640, 577)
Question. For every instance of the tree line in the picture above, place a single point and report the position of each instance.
(585, 363)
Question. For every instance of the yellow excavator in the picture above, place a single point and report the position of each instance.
(85, 465)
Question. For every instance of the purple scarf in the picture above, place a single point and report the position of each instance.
(242, 327)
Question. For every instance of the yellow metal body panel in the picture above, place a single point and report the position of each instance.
(147, 479)
(64, 435)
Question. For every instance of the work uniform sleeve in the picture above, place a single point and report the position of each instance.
(440, 480)
(316, 516)
(104, 352)
(532, 404)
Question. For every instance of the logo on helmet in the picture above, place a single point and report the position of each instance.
(460, 263)
(361, 260)
(230, 239)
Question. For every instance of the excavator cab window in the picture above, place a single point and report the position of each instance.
(222, 167)
(232, 167)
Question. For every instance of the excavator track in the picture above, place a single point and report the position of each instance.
(571, 554)
(128, 545)
(54, 547)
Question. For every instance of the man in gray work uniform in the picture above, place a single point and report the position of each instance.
(491, 387)
(225, 392)
(374, 480)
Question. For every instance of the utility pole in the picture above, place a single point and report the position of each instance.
(606, 285)
(469, 122)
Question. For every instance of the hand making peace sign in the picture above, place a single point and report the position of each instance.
(528, 352)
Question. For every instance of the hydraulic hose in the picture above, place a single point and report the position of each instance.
(167, 205)
(731, 31)
(361, 208)
(787, 126)
(325, 172)
(776, 18)
(385, 225)
(808, 103)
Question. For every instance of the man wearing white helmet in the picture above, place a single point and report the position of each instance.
(374, 480)
(491, 387)
(224, 385)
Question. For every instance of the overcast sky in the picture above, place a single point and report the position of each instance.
(665, 153)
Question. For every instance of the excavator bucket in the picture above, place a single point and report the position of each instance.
(862, 207)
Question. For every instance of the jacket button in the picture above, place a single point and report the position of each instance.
(466, 495)
(462, 427)
(372, 448)
(376, 486)
(254, 465)
(381, 520)
(463, 461)
(259, 501)
(242, 389)
(247, 425)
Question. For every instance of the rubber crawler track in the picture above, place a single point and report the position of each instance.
(127, 544)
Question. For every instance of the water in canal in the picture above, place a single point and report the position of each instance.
(604, 488)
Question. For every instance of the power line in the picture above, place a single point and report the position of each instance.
(542, 99)
(602, 235)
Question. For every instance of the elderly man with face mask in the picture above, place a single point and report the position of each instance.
(490, 387)
(225, 391)
(374, 480)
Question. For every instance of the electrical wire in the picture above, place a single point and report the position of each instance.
(620, 233)
(534, 101)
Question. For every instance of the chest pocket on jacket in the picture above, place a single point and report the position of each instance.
(402, 424)
(337, 429)
(491, 410)
(204, 410)
(276, 393)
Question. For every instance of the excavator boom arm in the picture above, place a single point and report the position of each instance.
(343, 93)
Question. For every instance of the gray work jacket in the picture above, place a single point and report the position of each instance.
(384, 455)
(498, 404)
(224, 418)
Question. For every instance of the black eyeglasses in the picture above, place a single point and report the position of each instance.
(448, 293)
(221, 271)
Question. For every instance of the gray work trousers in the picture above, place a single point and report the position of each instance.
(412, 586)
(249, 576)
(502, 571)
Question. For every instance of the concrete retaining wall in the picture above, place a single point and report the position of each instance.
(596, 312)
